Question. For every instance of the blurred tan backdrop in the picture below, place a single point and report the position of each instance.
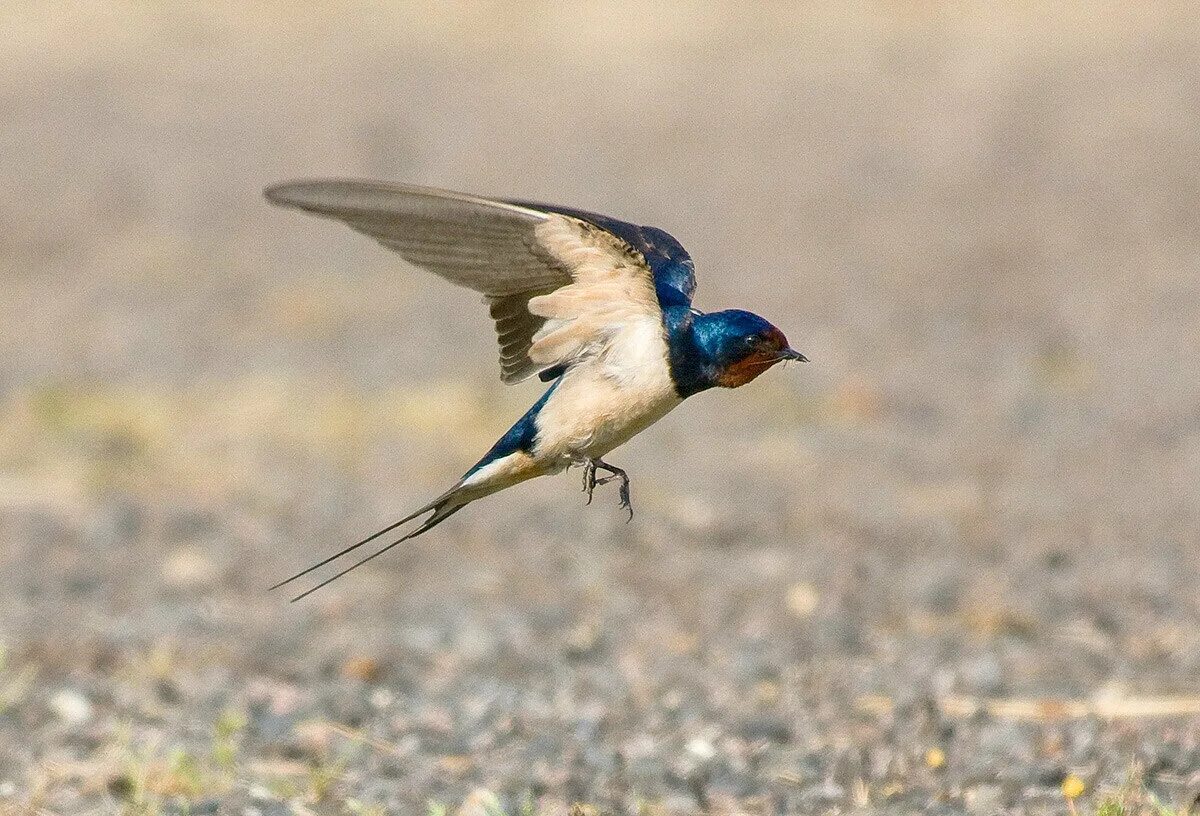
(979, 221)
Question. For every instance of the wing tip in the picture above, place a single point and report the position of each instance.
(293, 193)
(279, 194)
(322, 194)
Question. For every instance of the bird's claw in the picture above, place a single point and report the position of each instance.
(589, 480)
(625, 502)
(590, 483)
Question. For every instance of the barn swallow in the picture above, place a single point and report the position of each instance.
(600, 309)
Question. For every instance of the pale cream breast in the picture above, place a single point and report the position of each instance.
(604, 401)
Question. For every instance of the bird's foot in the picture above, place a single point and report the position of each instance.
(590, 482)
(589, 479)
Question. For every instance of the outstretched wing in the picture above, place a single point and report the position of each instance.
(559, 282)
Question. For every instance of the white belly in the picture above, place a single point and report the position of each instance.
(603, 402)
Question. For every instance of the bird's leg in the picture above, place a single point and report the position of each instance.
(617, 473)
(589, 478)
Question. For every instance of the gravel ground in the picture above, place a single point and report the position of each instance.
(949, 567)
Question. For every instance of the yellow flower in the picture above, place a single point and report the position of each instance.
(1073, 787)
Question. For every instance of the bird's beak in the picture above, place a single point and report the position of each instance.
(792, 354)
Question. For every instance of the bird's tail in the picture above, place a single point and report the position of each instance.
(443, 507)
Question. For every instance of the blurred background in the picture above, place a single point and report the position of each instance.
(950, 566)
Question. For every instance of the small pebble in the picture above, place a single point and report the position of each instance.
(188, 568)
(984, 800)
(479, 802)
(935, 758)
(71, 707)
(583, 640)
(802, 600)
(701, 748)
(365, 669)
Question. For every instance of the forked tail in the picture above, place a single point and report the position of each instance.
(443, 507)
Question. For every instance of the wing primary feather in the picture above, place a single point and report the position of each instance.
(330, 195)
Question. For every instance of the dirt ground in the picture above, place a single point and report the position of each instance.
(948, 567)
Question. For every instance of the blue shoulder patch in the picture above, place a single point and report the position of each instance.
(674, 271)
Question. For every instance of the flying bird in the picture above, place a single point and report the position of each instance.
(600, 309)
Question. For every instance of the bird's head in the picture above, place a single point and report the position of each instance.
(740, 345)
